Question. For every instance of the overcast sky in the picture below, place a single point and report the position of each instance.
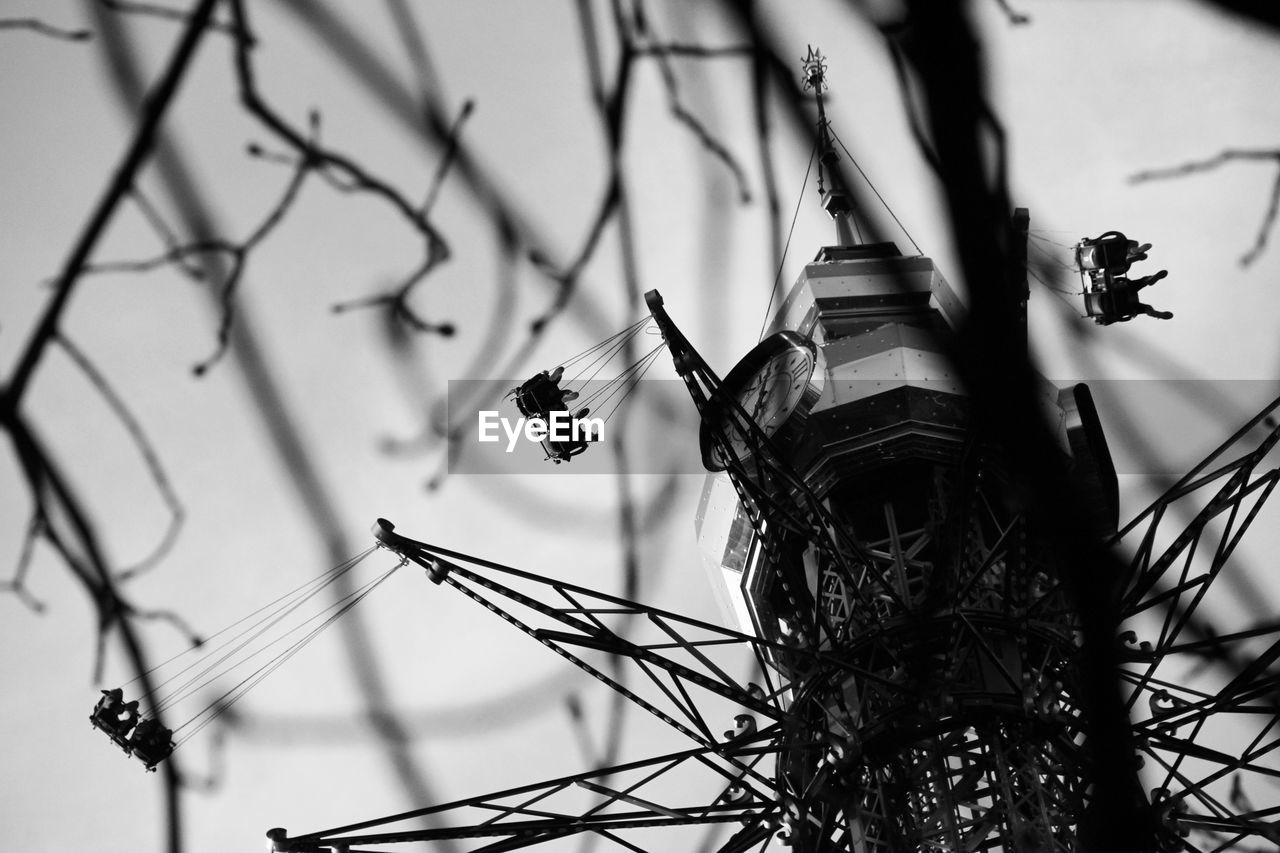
(1090, 93)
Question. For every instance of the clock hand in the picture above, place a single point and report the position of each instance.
(760, 398)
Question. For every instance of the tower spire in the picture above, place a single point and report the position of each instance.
(835, 201)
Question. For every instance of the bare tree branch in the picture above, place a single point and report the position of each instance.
(396, 302)
(166, 234)
(1015, 17)
(432, 122)
(240, 252)
(18, 583)
(53, 498)
(37, 26)
(119, 187)
(181, 254)
(74, 537)
(312, 152)
(155, 468)
(1217, 161)
(166, 13)
(647, 46)
(279, 420)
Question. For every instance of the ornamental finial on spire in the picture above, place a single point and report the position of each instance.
(815, 70)
(835, 201)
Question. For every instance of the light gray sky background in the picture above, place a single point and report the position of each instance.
(1090, 93)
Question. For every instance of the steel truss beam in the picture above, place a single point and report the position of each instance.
(993, 784)
(626, 797)
(1208, 740)
(679, 664)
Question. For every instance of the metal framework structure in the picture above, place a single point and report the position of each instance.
(916, 642)
(959, 625)
(1205, 705)
(902, 711)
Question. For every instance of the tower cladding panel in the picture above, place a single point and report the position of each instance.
(954, 725)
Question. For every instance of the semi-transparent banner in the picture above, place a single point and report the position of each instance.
(1153, 427)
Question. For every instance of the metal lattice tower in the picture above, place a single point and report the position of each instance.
(916, 672)
(917, 677)
(958, 729)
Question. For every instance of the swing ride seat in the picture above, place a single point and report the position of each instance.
(145, 739)
(1112, 252)
(104, 724)
(1115, 299)
(151, 754)
(1110, 306)
(541, 395)
(1099, 305)
(562, 451)
(107, 717)
(1110, 296)
(179, 686)
(151, 744)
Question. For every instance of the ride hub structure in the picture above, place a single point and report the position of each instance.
(918, 682)
(918, 677)
(869, 524)
(912, 633)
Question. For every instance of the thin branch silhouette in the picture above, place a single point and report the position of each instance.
(118, 189)
(396, 301)
(146, 449)
(647, 45)
(165, 13)
(75, 537)
(280, 422)
(1222, 158)
(311, 151)
(1013, 15)
(181, 254)
(38, 26)
(17, 584)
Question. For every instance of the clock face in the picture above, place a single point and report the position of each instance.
(768, 385)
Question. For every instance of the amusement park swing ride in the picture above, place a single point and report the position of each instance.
(919, 682)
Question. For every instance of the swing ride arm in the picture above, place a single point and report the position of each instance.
(572, 620)
(604, 802)
(744, 766)
(678, 662)
(773, 493)
(1179, 722)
